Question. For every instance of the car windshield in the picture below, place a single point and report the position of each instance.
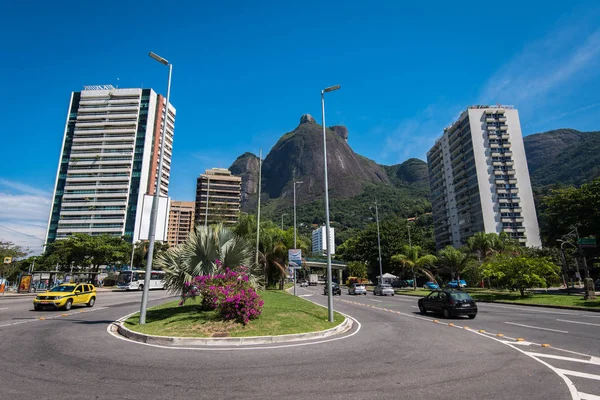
(460, 296)
(66, 288)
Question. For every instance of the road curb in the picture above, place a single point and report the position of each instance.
(574, 308)
(345, 326)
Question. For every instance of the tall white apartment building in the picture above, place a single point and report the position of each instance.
(319, 240)
(108, 167)
(479, 179)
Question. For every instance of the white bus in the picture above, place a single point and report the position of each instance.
(134, 280)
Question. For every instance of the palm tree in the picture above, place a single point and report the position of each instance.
(453, 259)
(413, 261)
(198, 255)
(272, 255)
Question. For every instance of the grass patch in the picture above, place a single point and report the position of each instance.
(514, 297)
(282, 314)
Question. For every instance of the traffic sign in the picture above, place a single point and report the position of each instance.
(295, 258)
(587, 242)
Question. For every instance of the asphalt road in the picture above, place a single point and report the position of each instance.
(394, 354)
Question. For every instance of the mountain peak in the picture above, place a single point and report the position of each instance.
(307, 118)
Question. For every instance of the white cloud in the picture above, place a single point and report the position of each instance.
(558, 59)
(24, 212)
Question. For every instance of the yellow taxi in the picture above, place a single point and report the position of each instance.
(65, 296)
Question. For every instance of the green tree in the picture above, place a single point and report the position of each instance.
(140, 253)
(521, 272)
(416, 262)
(9, 249)
(201, 253)
(573, 207)
(454, 260)
(357, 269)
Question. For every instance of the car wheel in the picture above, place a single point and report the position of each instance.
(365, 293)
(392, 294)
(91, 302)
(68, 304)
(446, 313)
(141, 287)
(422, 309)
(472, 316)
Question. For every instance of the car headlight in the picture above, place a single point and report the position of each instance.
(58, 297)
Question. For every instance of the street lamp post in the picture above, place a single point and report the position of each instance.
(295, 246)
(327, 234)
(154, 212)
(378, 244)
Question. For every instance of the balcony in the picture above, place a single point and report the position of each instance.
(503, 128)
(505, 210)
(509, 163)
(498, 172)
(506, 145)
(488, 119)
(511, 172)
(505, 136)
(519, 219)
(491, 128)
(501, 191)
(506, 219)
(514, 190)
(521, 229)
(502, 119)
(508, 154)
(503, 200)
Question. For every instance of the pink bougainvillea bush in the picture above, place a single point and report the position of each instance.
(228, 292)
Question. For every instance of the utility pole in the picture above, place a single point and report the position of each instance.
(295, 246)
(379, 244)
(258, 213)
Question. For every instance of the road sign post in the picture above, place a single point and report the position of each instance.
(294, 262)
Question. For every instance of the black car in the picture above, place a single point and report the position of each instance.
(450, 303)
(335, 289)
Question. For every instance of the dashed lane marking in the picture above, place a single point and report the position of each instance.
(592, 360)
(536, 327)
(577, 322)
(579, 374)
(530, 309)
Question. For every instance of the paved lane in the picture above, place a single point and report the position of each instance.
(392, 356)
(572, 335)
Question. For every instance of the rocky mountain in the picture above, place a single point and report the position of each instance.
(246, 167)
(562, 156)
(298, 156)
(411, 171)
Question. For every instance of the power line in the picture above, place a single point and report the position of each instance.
(21, 233)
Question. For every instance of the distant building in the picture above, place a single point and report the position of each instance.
(479, 179)
(181, 221)
(223, 192)
(108, 164)
(319, 240)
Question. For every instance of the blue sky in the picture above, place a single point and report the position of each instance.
(244, 73)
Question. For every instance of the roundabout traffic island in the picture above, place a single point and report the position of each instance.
(284, 318)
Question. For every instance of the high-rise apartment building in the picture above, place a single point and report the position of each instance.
(221, 191)
(181, 221)
(107, 171)
(319, 240)
(479, 179)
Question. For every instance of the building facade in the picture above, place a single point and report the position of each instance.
(181, 221)
(218, 197)
(108, 167)
(479, 179)
(319, 240)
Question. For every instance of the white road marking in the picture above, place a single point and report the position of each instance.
(587, 396)
(579, 374)
(414, 307)
(306, 295)
(579, 360)
(4, 308)
(528, 309)
(379, 301)
(577, 322)
(536, 327)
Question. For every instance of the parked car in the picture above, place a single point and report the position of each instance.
(335, 289)
(456, 284)
(449, 303)
(303, 283)
(431, 285)
(357, 288)
(66, 295)
(400, 283)
(383, 290)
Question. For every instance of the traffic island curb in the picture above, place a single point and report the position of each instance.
(345, 326)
